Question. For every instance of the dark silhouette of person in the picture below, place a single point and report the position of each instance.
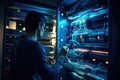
(29, 60)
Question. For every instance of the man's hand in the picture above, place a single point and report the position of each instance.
(63, 51)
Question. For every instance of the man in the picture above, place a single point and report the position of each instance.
(29, 61)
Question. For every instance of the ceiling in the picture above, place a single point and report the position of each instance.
(47, 7)
(45, 3)
(49, 3)
(52, 3)
(19, 8)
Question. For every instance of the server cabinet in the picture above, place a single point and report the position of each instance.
(83, 26)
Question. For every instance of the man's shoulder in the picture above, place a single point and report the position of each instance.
(37, 43)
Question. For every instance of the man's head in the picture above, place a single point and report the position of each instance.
(34, 21)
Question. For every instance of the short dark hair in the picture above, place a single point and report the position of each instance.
(32, 21)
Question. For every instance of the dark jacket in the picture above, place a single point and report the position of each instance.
(29, 62)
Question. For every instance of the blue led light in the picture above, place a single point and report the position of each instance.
(62, 26)
(62, 14)
(20, 31)
(62, 22)
(20, 24)
(61, 39)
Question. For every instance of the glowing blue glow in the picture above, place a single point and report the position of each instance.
(20, 31)
(63, 22)
(78, 15)
(100, 12)
(82, 16)
(62, 14)
(62, 26)
(107, 23)
(81, 20)
(20, 24)
(61, 39)
(74, 17)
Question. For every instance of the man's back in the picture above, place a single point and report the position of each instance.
(24, 58)
(30, 61)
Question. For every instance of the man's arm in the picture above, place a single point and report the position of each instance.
(45, 70)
